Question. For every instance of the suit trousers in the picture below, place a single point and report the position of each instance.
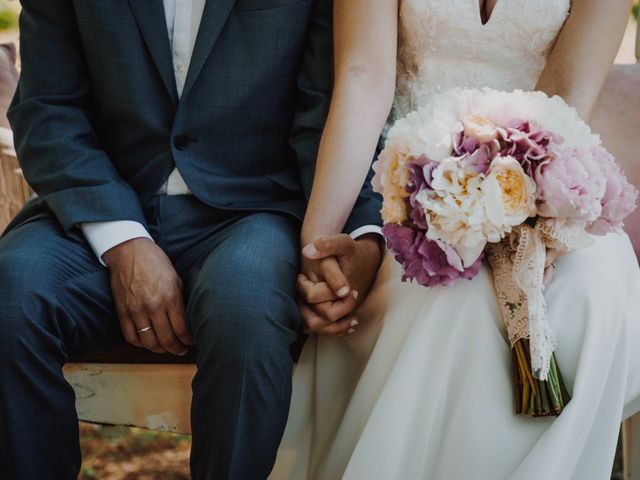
(238, 271)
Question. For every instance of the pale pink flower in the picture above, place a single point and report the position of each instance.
(570, 185)
(619, 199)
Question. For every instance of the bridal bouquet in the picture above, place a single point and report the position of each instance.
(500, 176)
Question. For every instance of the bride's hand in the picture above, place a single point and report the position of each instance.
(337, 273)
(550, 265)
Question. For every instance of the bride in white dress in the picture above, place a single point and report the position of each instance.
(423, 389)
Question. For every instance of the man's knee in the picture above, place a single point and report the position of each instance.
(248, 329)
(230, 307)
(36, 265)
(18, 290)
(242, 304)
(248, 283)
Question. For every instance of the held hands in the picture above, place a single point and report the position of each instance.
(337, 273)
(148, 297)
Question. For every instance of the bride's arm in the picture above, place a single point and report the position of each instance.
(365, 36)
(581, 59)
(584, 52)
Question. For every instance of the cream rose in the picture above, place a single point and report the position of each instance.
(391, 180)
(394, 210)
(510, 194)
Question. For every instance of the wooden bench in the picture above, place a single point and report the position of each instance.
(133, 387)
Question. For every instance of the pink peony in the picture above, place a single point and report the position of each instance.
(570, 185)
(423, 260)
(619, 199)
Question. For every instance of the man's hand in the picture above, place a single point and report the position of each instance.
(337, 274)
(148, 293)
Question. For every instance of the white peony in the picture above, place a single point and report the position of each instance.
(553, 113)
(455, 210)
(430, 130)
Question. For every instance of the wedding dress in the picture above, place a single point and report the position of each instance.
(423, 389)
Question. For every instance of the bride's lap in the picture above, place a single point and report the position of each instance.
(436, 344)
(603, 281)
(421, 355)
(605, 273)
(600, 280)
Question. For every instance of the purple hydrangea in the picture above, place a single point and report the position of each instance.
(528, 144)
(421, 170)
(423, 260)
(463, 144)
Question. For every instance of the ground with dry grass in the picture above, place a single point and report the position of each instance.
(121, 453)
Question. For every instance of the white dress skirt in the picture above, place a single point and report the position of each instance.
(424, 389)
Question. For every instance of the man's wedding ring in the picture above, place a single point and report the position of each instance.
(145, 329)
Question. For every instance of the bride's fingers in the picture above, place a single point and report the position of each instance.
(344, 326)
(552, 256)
(312, 292)
(548, 275)
(333, 311)
(335, 278)
(550, 265)
(314, 323)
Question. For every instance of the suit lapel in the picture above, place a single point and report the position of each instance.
(151, 20)
(215, 15)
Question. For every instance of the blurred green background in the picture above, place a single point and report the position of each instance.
(9, 14)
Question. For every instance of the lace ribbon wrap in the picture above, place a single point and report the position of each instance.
(518, 264)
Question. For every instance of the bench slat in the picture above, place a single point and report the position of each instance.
(156, 397)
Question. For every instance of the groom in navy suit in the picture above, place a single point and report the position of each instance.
(172, 146)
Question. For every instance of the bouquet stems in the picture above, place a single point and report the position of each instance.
(535, 397)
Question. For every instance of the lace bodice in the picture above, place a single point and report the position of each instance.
(443, 44)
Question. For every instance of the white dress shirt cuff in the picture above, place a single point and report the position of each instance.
(364, 230)
(103, 236)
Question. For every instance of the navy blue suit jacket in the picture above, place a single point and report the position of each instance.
(99, 127)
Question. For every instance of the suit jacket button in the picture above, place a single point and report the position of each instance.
(181, 141)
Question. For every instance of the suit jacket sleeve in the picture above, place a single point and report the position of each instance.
(315, 82)
(51, 118)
